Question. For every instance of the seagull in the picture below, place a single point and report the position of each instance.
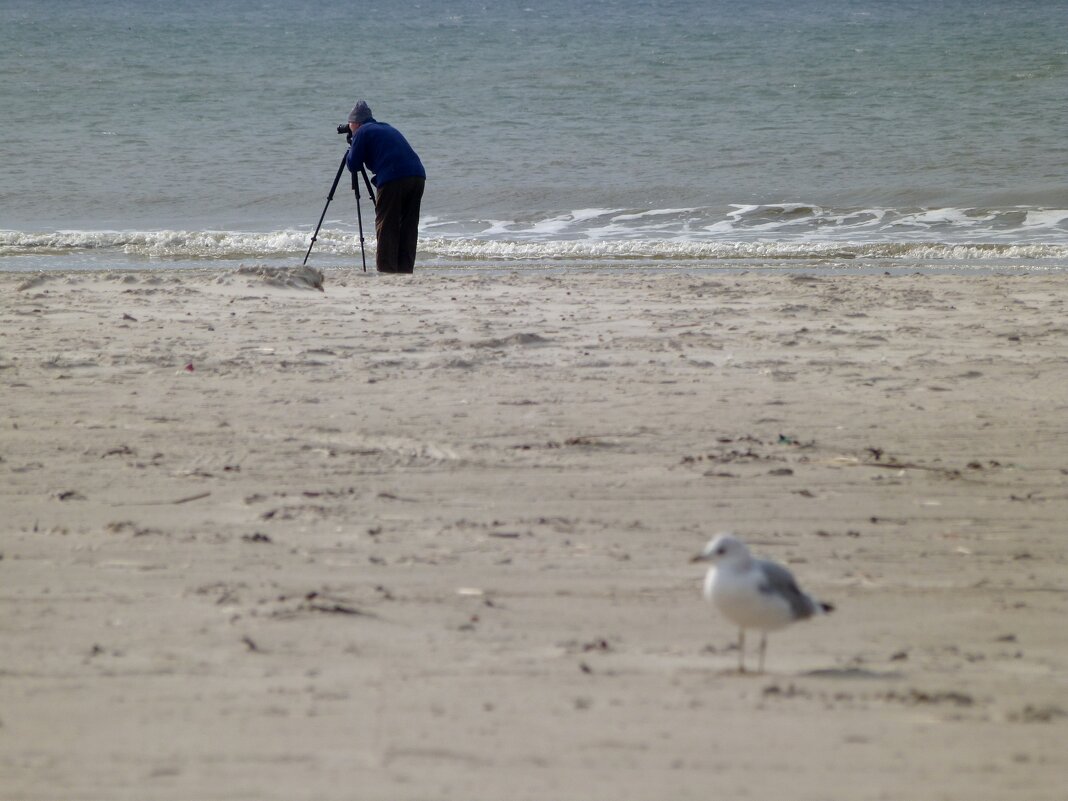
(753, 593)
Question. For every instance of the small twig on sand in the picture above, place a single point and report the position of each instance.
(949, 471)
(187, 499)
(192, 498)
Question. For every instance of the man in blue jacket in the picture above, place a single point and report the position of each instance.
(400, 178)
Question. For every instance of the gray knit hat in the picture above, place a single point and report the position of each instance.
(361, 112)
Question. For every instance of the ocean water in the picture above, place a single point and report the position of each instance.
(851, 134)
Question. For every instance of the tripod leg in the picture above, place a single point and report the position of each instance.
(367, 183)
(333, 188)
(359, 218)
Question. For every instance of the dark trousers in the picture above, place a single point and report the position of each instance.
(397, 224)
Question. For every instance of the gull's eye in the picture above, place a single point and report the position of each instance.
(722, 549)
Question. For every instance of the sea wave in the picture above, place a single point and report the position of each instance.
(163, 244)
(742, 233)
(779, 222)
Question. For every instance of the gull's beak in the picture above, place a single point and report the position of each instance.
(699, 558)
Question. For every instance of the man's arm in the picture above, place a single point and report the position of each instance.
(356, 154)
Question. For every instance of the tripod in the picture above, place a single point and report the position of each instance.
(359, 215)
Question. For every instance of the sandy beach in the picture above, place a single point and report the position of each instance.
(429, 538)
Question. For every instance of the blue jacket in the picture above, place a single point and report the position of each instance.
(385, 152)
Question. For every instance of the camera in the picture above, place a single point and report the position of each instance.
(343, 128)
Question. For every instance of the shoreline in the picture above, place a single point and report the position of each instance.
(429, 536)
(218, 269)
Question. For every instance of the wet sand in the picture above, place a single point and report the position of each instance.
(429, 538)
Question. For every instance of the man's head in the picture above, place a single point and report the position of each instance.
(360, 114)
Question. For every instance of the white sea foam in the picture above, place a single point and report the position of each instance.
(688, 250)
(774, 232)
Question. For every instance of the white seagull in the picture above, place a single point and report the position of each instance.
(753, 593)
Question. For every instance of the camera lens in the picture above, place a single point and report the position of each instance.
(343, 128)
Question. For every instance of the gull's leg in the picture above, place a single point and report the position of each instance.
(763, 648)
(741, 650)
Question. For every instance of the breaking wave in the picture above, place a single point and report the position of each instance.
(772, 233)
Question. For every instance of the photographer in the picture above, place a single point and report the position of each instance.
(399, 177)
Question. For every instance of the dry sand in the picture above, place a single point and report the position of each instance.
(428, 538)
